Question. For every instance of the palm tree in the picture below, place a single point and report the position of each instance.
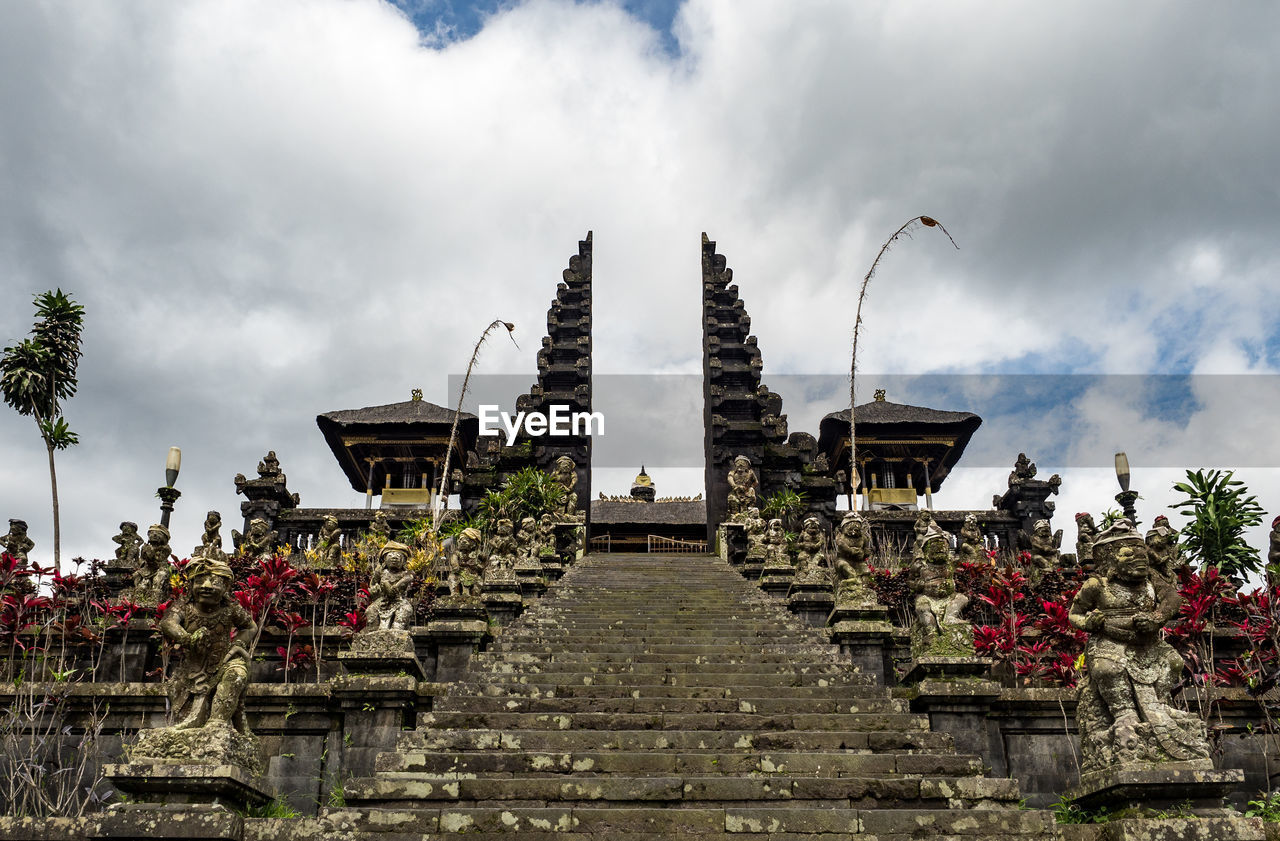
(38, 373)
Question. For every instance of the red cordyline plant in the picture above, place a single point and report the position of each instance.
(1209, 600)
(262, 590)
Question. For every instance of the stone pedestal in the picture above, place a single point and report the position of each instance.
(552, 569)
(227, 787)
(752, 566)
(776, 578)
(529, 573)
(116, 578)
(1174, 801)
(733, 540)
(382, 652)
(958, 702)
(457, 629)
(375, 708)
(502, 597)
(1166, 787)
(865, 636)
(810, 598)
(190, 802)
(944, 668)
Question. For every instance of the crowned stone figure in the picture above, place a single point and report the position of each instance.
(1124, 703)
(206, 690)
(939, 629)
(853, 548)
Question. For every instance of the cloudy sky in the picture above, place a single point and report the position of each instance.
(273, 210)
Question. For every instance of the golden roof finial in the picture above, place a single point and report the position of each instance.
(879, 395)
(416, 394)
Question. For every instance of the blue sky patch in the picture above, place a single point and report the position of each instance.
(446, 21)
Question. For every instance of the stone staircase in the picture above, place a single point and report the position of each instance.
(663, 696)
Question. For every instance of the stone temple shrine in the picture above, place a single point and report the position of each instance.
(809, 649)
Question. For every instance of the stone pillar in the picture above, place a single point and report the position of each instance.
(865, 637)
(456, 631)
(775, 578)
(810, 598)
(733, 542)
(529, 575)
(957, 701)
(502, 598)
(375, 709)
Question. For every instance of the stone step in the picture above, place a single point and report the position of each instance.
(571, 741)
(673, 721)
(852, 682)
(675, 635)
(788, 792)
(741, 822)
(687, 763)
(781, 703)
(807, 655)
(711, 667)
(656, 690)
(659, 697)
(605, 651)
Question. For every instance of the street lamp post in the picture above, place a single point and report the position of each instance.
(169, 494)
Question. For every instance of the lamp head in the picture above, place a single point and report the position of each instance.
(172, 465)
(1122, 471)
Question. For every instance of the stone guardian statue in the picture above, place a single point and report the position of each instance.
(1124, 709)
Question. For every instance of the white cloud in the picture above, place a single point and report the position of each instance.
(274, 210)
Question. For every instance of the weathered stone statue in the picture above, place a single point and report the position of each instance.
(211, 541)
(390, 583)
(811, 551)
(1045, 543)
(939, 629)
(16, 542)
(1162, 548)
(269, 467)
(259, 542)
(566, 473)
(1023, 469)
(206, 690)
(380, 526)
(527, 539)
(755, 534)
(1124, 708)
(547, 534)
(329, 543)
(1086, 533)
(853, 548)
(744, 488)
(127, 543)
(151, 576)
(775, 545)
(971, 548)
(467, 568)
(503, 551)
(924, 523)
